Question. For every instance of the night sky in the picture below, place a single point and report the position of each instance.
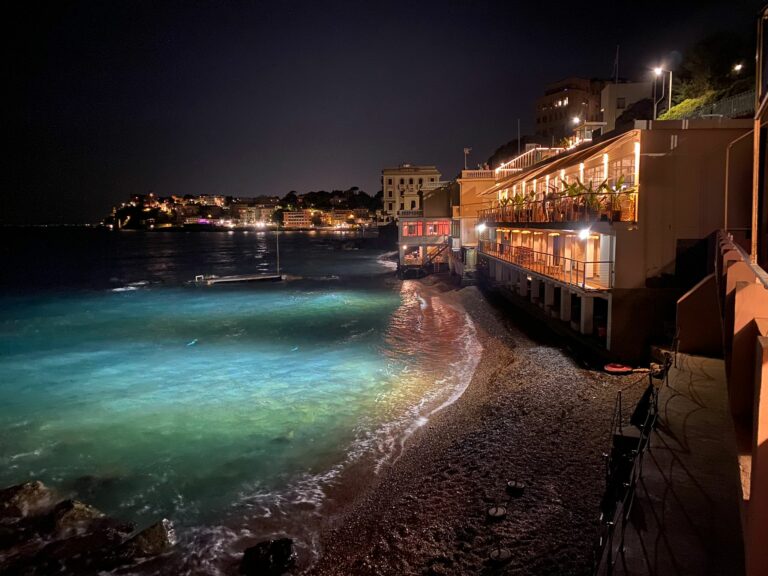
(112, 98)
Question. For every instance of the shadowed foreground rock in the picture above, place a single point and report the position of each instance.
(24, 499)
(70, 537)
(269, 558)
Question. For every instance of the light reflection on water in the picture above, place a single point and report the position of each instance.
(231, 411)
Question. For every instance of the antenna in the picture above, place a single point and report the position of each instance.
(616, 66)
(466, 153)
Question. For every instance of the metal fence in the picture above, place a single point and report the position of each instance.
(740, 105)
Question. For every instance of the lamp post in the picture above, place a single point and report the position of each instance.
(658, 71)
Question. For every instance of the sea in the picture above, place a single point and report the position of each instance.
(240, 412)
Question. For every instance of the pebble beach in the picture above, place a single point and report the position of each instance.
(531, 414)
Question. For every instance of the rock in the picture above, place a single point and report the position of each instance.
(268, 558)
(24, 499)
(73, 517)
(157, 539)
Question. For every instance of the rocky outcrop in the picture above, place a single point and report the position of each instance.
(268, 558)
(39, 536)
(25, 499)
(72, 517)
(153, 541)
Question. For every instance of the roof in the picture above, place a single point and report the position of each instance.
(560, 161)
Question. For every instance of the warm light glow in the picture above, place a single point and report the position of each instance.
(576, 120)
(738, 67)
(554, 233)
(605, 166)
(657, 71)
(481, 227)
(584, 234)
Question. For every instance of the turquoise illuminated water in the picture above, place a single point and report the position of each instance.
(232, 411)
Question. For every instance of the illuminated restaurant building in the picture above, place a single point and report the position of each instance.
(605, 236)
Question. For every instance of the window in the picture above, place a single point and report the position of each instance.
(389, 193)
(389, 181)
(410, 180)
(438, 228)
(402, 206)
(621, 103)
(421, 181)
(391, 206)
(413, 204)
(413, 229)
(431, 179)
(402, 181)
(623, 167)
(593, 176)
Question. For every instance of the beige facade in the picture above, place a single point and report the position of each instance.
(616, 98)
(402, 188)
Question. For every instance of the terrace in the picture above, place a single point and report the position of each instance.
(574, 272)
(598, 183)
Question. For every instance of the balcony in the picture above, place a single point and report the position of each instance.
(478, 175)
(608, 207)
(410, 213)
(585, 275)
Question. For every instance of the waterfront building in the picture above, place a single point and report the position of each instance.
(297, 219)
(615, 98)
(402, 188)
(605, 237)
(423, 235)
(562, 102)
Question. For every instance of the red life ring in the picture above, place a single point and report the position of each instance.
(617, 369)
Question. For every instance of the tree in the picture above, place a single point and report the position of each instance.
(708, 65)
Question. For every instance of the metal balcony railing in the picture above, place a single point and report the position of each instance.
(605, 207)
(587, 275)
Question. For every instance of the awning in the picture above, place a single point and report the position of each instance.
(559, 162)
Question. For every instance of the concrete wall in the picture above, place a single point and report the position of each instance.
(682, 184)
(631, 92)
(471, 202)
(698, 320)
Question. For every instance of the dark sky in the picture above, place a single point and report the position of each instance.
(111, 98)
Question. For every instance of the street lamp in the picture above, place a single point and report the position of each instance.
(738, 67)
(576, 120)
(658, 71)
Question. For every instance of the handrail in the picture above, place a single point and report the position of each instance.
(568, 270)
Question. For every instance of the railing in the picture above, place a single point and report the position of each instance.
(479, 174)
(620, 207)
(592, 275)
(624, 469)
(739, 105)
(525, 160)
(410, 213)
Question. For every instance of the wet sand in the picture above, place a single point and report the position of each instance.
(530, 413)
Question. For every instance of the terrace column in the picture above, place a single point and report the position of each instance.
(522, 287)
(549, 294)
(587, 309)
(565, 305)
(535, 282)
(499, 276)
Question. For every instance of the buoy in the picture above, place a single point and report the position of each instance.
(500, 555)
(497, 512)
(617, 369)
(515, 488)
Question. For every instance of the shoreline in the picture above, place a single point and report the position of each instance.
(425, 512)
